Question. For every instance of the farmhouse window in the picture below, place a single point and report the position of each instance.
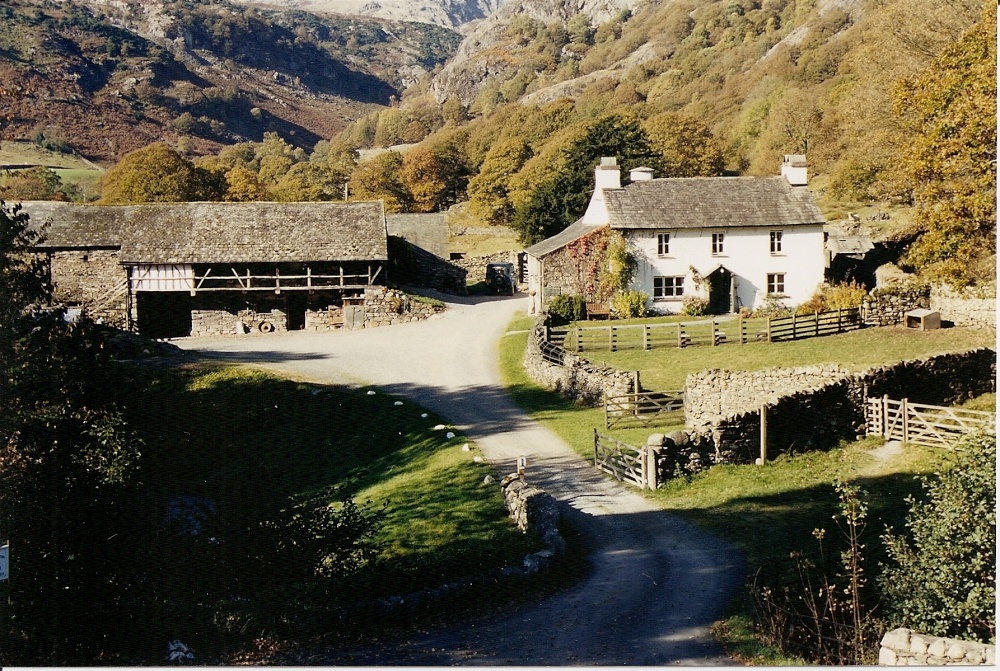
(776, 283)
(668, 287)
(717, 242)
(662, 244)
(776, 242)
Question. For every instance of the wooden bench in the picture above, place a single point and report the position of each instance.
(598, 311)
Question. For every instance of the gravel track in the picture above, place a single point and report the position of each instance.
(657, 582)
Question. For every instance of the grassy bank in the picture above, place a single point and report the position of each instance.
(241, 440)
(770, 512)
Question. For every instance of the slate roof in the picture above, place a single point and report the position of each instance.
(427, 231)
(571, 233)
(76, 226)
(711, 202)
(220, 232)
(254, 233)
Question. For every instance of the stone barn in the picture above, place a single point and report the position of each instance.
(178, 269)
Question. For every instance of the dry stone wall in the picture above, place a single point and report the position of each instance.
(574, 377)
(965, 308)
(475, 266)
(889, 305)
(413, 265)
(903, 647)
(820, 416)
(384, 307)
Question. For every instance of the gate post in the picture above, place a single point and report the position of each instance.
(906, 421)
(885, 417)
(595, 449)
(763, 434)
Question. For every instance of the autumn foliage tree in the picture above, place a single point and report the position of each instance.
(158, 174)
(949, 110)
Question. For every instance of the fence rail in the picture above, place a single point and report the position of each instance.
(712, 332)
(625, 462)
(919, 424)
(817, 324)
(642, 409)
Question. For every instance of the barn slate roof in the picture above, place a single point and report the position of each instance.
(71, 226)
(571, 233)
(255, 233)
(711, 202)
(427, 231)
(220, 232)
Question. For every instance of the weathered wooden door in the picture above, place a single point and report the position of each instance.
(354, 316)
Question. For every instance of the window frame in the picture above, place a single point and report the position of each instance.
(718, 243)
(776, 242)
(676, 287)
(663, 244)
(774, 280)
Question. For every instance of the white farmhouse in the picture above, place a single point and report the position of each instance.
(732, 240)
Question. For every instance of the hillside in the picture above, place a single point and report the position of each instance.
(106, 78)
(448, 13)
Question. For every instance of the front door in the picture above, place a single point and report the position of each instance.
(720, 292)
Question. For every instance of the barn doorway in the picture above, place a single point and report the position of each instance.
(295, 307)
(163, 314)
(721, 291)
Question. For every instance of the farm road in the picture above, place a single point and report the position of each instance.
(657, 583)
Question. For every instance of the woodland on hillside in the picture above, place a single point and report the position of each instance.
(894, 102)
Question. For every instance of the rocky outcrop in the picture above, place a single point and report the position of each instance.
(481, 57)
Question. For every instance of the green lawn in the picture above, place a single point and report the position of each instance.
(667, 368)
(769, 511)
(237, 435)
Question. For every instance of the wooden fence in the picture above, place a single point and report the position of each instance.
(711, 332)
(625, 462)
(919, 424)
(642, 409)
(817, 324)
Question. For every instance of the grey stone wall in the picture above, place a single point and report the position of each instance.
(329, 319)
(475, 266)
(889, 305)
(384, 307)
(712, 395)
(93, 278)
(903, 647)
(574, 377)
(235, 322)
(533, 509)
(965, 308)
(821, 415)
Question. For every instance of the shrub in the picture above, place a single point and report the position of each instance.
(568, 307)
(772, 307)
(694, 306)
(942, 575)
(629, 304)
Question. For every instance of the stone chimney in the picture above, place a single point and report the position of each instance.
(608, 175)
(793, 168)
(640, 174)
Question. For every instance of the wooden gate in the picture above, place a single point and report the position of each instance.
(920, 424)
(642, 409)
(354, 316)
(625, 462)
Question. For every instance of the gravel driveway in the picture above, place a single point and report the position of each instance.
(657, 582)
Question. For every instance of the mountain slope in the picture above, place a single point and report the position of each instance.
(106, 77)
(448, 13)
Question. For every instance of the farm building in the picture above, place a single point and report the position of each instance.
(731, 240)
(179, 269)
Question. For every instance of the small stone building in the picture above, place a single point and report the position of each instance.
(178, 269)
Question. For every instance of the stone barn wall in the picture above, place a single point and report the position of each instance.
(93, 278)
(889, 305)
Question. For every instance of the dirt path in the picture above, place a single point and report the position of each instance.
(657, 582)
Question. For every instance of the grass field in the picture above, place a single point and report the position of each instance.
(667, 368)
(770, 511)
(236, 436)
